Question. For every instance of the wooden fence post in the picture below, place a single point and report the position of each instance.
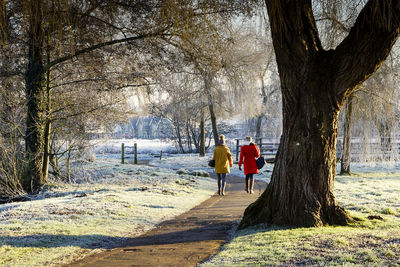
(135, 155)
(122, 153)
(260, 145)
(237, 149)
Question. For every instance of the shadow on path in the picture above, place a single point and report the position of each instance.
(186, 240)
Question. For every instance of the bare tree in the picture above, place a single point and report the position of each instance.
(345, 158)
(72, 29)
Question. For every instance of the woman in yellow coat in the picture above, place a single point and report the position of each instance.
(223, 160)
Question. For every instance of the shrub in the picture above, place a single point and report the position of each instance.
(11, 169)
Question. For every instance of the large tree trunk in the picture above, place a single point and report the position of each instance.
(346, 151)
(315, 83)
(303, 177)
(34, 78)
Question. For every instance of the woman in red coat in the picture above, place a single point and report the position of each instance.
(248, 155)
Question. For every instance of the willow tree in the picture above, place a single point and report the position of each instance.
(68, 30)
(52, 33)
(315, 84)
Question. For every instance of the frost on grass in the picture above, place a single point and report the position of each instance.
(107, 204)
(145, 147)
(193, 163)
(373, 190)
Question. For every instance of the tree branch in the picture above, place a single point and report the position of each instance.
(76, 82)
(293, 30)
(368, 44)
(101, 45)
(7, 74)
(341, 25)
(85, 111)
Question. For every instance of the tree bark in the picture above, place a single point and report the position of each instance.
(258, 126)
(188, 136)
(265, 100)
(47, 126)
(34, 79)
(202, 134)
(315, 83)
(69, 165)
(179, 135)
(346, 151)
(207, 87)
(195, 138)
(46, 149)
(301, 188)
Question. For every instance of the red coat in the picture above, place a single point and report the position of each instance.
(249, 153)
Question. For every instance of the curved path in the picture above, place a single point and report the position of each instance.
(188, 239)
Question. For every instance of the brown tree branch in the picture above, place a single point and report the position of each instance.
(341, 25)
(7, 74)
(88, 111)
(101, 45)
(76, 82)
(293, 29)
(368, 44)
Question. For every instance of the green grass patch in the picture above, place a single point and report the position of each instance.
(367, 242)
(388, 211)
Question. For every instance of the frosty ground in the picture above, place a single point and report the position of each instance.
(372, 190)
(109, 202)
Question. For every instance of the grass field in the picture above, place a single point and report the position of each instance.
(365, 243)
(108, 204)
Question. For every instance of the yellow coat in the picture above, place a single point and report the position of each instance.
(223, 159)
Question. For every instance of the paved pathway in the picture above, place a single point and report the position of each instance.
(188, 239)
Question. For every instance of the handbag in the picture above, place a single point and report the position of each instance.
(211, 163)
(260, 162)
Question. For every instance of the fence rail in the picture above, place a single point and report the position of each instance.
(134, 152)
(379, 147)
(266, 148)
(384, 148)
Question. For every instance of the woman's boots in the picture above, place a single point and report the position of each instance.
(221, 188)
(249, 185)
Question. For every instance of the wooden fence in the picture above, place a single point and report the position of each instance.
(135, 153)
(377, 148)
(123, 147)
(267, 147)
(380, 148)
